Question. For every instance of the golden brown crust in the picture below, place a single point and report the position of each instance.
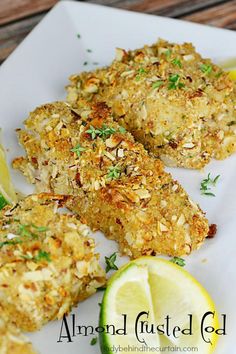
(117, 187)
(180, 106)
(12, 341)
(47, 261)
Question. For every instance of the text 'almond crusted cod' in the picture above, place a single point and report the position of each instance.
(180, 106)
(117, 187)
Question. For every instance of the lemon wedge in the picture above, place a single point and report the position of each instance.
(230, 66)
(150, 294)
(7, 192)
(232, 74)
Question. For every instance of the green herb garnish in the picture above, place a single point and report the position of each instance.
(94, 341)
(89, 50)
(122, 130)
(3, 202)
(114, 172)
(206, 68)
(141, 71)
(103, 132)
(177, 62)
(93, 132)
(217, 75)
(40, 228)
(110, 262)
(174, 82)
(168, 53)
(85, 63)
(23, 231)
(78, 35)
(206, 183)
(157, 84)
(174, 78)
(179, 261)
(78, 149)
(10, 242)
(42, 255)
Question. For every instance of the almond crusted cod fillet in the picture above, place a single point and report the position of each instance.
(180, 106)
(117, 187)
(12, 341)
(47, 261)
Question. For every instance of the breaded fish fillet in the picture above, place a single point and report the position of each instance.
(11, 339)
(117, 187)
(180, 106)
(47, 261)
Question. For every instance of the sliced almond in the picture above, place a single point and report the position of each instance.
(220, 134)
(163, 203)
(127, 73)
(109, 155)
(181, 220)
(91, 85)
(111, 143)
(120, 153)
(161, 227)
(175, 187)
(188, 57)
(120, 54)
(143, 193)
(188, 145)
(174, 218)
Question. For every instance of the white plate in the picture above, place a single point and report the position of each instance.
(37, 72)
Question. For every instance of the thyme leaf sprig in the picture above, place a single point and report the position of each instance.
(179, 261)
(10, 242)
(207, 183)
(174, 82)
(104, 132)
(177, 62)
(114, 172)
(110, 262)
(206, 68)
(78, 149)
(42, 255)
(94, 341)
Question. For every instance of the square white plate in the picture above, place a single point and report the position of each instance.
(37, 72)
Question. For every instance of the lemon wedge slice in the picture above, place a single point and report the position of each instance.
(232, 74)
(230, 66)
(150, 294)
(7, 192)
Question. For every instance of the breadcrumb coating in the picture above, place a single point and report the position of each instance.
(180, 106)
(117, 187)
(12, 341)
(47, 261)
